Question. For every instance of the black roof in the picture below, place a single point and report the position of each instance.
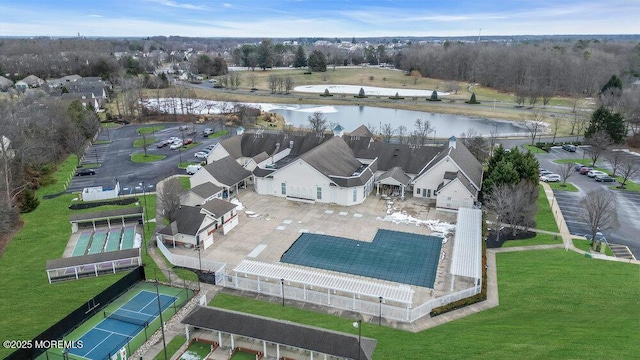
(410, 158)
(217, 208)
(282, 332)
(206, 189)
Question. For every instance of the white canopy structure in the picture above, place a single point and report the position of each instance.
(467, 246)
(309, 279)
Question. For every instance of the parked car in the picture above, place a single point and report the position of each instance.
(585, 170)
(569, 147)
(594, 173)
(604, 178)
(551, 178)
(544, 172)
(173, 140)
(84, 172)
(209, 147)
(577, 166)
(187, 141)
(162, 143)
(184, 127)
(192, 169)
(176, 145)
(201, 155)
(206, 132)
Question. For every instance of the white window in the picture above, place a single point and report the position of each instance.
(319, 193)
(355, 195)
(284, 188)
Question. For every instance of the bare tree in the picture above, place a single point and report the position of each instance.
(402, 134)
(273, 83)
(598, 144)
(628, 168)
(598, 210)
(565, 171)
(288, 84)
(423, 129)
(536, 125)
(317, 122)
(169, 197)
(477, 145)
(522, 210)
(555, 124)
(387, 132)
(253, 80)
(372, 128)
(498, 201)
(614, 158)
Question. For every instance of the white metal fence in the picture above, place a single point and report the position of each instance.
(191, 262)
(387, 310)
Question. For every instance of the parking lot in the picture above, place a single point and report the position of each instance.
(628, 204)
(113, 154)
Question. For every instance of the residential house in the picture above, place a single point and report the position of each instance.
(453, 178)
(31, 81)
(225, 173)
(202, 193)
(87, 99)
(5, 83)
(195, 225)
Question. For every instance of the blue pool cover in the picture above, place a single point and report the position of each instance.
(392, 255)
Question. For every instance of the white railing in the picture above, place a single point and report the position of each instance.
(425, 308)
(192, 262)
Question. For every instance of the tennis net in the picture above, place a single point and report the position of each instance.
(127, 319)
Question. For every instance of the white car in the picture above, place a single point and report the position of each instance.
(192, 169)
(176, 145)
(594, 173)
(201, 155)
(173, 140)
(551, 178)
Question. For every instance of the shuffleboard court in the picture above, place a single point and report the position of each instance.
(82, 244)
(97, 244)
(113, 240)
(118, 328)
(392, 255)
(127, 237)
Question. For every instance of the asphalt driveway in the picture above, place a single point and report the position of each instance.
(628, 203)
(115, 158)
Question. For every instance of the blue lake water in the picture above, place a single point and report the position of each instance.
(352, 116)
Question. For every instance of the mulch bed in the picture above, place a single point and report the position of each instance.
(506, 235)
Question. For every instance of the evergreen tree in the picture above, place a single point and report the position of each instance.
(614, 83)
(29, 201)
(502, 173)
(473, 99)
(317, 61)
(301, 58)
(612, 123)
(265, 54)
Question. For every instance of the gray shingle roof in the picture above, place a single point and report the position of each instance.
(261, 157)
(106, 214)
(333, 157)
(205, 190)
(92, 259)
(361, 131)
(467, 163)
(188, 220)
(410, 159)
(397, 174)
(227, 171)
(217, 208)
(282, 332)
(232, 145)
(4, 82)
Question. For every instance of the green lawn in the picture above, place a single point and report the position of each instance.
(138, 143)
(140, 158)
(219, 133)
(534, 149)
(90, 166)
(553, 305)
(544, 218)
(197, 350)
(564, 187)
(172, 347)
(150, 129)
(185, 181)
(586, 246)
(192, 145)
(539, 239)
(29, 303)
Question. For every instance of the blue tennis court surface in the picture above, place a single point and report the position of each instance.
(392, 255)
(116, 330)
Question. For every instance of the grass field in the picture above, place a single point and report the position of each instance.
(172, 347)
(140, 158)
(534, 149)
(539, 239)
(197, 350)
(138, 143)
(553, 305)
(564, 187)
(544, 217)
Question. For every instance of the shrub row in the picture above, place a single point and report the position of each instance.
(89, 205)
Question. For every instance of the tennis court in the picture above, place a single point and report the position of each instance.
(392, 255)
(118, 328)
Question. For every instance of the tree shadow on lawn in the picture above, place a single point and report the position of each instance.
(507, 235)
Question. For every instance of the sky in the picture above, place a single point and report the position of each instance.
(317, 18)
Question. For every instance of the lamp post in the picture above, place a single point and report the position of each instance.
(146, 215)
(282, 283)
(357, 324)
(380, 317)
(164, 343)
